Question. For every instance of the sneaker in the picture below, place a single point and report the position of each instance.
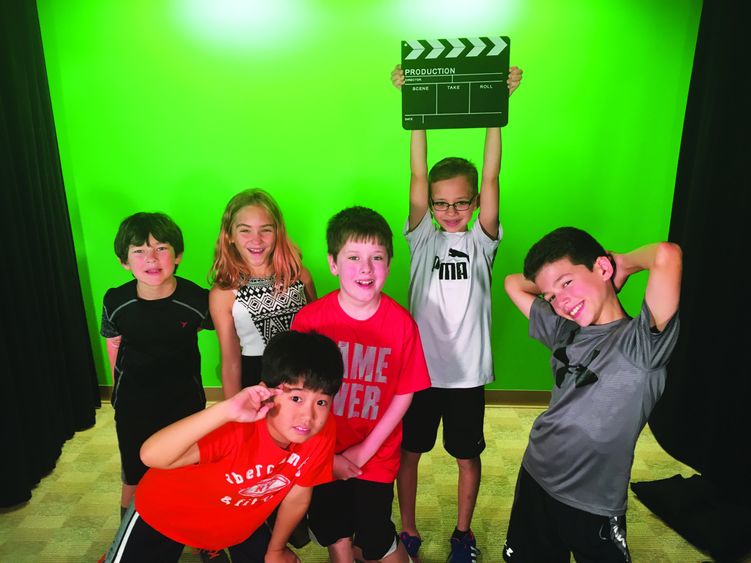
(464, 549)
(213, 556)
(411, 544)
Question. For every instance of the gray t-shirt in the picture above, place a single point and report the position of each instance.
(608, 379)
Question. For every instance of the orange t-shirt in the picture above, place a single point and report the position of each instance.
(241, 477)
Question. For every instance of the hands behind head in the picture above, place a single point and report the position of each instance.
(619, 273)
(513, 80)
(252, 403)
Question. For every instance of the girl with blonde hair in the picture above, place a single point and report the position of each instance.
(258, 284)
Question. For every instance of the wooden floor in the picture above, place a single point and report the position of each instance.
(73, 513)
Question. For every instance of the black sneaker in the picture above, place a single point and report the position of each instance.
(464, 549)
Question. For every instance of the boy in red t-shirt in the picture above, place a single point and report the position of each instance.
(217, 475)
(383, 366)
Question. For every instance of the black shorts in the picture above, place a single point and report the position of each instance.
(251, 371)
(135, 423)
(357, 509)
(544, 530)
(463, 414)
(137, 542)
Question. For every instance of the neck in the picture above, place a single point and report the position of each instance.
(359, 311)
(152, 293)
(612, 311)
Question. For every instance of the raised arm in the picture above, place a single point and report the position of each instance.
(664, 261)
(521, 291)
(418, 177)
(491, 167)
(489, 187)
(418, 164)
(176, 445)
(220, 306)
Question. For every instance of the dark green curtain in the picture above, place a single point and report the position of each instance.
(48, 383)
(702, 418)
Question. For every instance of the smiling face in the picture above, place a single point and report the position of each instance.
(362, 268)
(577, 293)
(254, 236)
(153, 266)
(298, 414)
(452, 191)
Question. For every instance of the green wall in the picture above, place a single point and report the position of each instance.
(175, 105)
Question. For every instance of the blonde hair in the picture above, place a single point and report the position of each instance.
(229, 270)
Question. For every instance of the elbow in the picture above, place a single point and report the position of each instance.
(511, 282)
(668, 254)
(148, 455)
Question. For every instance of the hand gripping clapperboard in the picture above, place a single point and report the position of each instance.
(451, 83)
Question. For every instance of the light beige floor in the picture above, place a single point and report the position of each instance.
(73, 513)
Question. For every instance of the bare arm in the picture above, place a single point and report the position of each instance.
(664, 261)
(113, 346)
(418, 178)
(176, 445)
(359, 454)
(491, 168)
(308, 285)
(418, 164)
(291, 510)
(522, 292)
(220, 306)
(489, 186)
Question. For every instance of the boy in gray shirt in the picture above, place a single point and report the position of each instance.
(609, 371)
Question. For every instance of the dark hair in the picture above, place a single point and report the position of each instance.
(358, 224)
(565, 242)
(291, 356)
(135, 230)
(452, 167)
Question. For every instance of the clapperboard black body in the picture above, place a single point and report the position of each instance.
(450, 83)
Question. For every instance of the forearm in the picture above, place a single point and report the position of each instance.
(366, 449)
(231, 375)
(646, 257)
(491, 162)
(113, 347)
(521, 291)
(418, 181)
(176, 444)
(490, 188)
(291, 511)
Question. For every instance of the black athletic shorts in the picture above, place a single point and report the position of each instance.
(137, 542)
(463, 414)
(357, 509)
(544, 530)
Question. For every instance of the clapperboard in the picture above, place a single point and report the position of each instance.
(450, 83)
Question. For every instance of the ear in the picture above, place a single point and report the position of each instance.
(125, 265)
(604, 267)
(332, 266)
(178, 258)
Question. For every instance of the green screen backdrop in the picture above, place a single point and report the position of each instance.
(175, 105)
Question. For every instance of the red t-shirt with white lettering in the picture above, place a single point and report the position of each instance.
(382, 357)
(241, 477)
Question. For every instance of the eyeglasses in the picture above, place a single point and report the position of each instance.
(458, 206)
